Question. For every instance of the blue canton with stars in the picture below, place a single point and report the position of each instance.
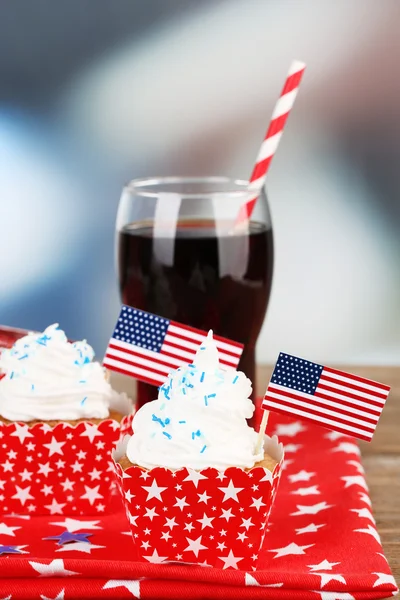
(296, 373)
(141, 328)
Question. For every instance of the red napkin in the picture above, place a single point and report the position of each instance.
(322, 541)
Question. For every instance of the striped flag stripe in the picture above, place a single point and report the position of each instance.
(341, 375)
(153, 356)
(367, 409)
(137, 358)
(313, 409)
(199, 336)
(373, 417)
(363, 398)
(185, 343)
(131, 369)
(344, 385)
(156, 380)
(349, 429)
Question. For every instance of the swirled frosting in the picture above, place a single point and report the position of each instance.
(48, 378)
(198, 420)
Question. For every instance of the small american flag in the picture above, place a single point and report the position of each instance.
(147, 347)
(332, 398)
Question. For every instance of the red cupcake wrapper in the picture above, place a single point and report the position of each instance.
(205, 517)
(61, 470)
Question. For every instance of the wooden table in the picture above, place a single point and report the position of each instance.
(381, 459)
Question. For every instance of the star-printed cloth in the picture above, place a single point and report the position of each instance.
(322, 542)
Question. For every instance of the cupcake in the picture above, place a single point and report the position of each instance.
(196, 487)
(59, 421)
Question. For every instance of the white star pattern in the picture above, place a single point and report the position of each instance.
(257, 503)
(195, 546)
(334, 435)
(54, 447)
(6, 530)
(91, 494)
(151, 513)
(311, 510)
(45, 469)
(78, 547)
(74, 525)
(363, 513)
(206, 521)
(55, 508)
(370, 531)
(91, 431)
(325, 565)
(22, 494)
(154, 491)
(354, 480)
(247, 523)
(227, 514)
(230, 492)
(54, 569)
(170, 523)
(311, 528)
(327, 577)
(290, 430)
(307, 491)
(155, 558)
(300, 476)
(204, 497)
(21, 432)
(60, 596)
(348, 448)
(132, 585)
(231, 560)
(195, 477)
(181, 502)
(335, 596)
(384, 579)
(291, 548)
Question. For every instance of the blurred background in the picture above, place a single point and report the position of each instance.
(93, 94)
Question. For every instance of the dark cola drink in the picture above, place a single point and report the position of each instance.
(199, 276)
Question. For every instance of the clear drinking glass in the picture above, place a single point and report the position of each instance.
(181, 255)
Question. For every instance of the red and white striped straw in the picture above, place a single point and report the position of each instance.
(272, 138)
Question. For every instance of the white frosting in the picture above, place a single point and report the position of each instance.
(198, 420)
(49, 378)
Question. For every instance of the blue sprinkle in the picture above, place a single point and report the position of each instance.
(158, 420)
(202, 377)
(169, 436)
(202, 450)
(191, 365)
(33, 387)
(167, 421)
(193, 434)
(189, 385)
(83, 401)
(236, 378)
(211, 395)
(184, 391)
(182, 421)
(11, 374)
(24, 356)
(205, 400)
(82, 381)
(198, 433)
(162, 406)
(202, 347)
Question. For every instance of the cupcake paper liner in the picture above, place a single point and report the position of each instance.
(61, 470)
(208, 517)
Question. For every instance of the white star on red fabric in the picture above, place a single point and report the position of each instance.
(151, 513)
(307, 491)
(250, 580)
(257, 503)
(301, 476)
(384, 579)
(129, 495)
(132, 585)
(365, 498)
(91, 431)
(246, 523)
(26, 475)
(348, 448)
(54, 447)
(154, 491)
(290, 549)
(155, 558)
(21, 432)
(206, 521)
(292, 447)
(85, 547)
(6, 530)
(45, 469)
(55, 508)
(60, 596)
(73, 525)
(327, 577)
(188, 527)
(54, 568)
(170, 523)
(195, 546)
(132, 520)
(227, 514)
(335, 596)
(91, 494)
(357, 465)
(165, 536)
(354, 480)
(311, 510)
(94, 474)
(181, 502)
(194, 477)
(325, 565)
(311, 528)
(231, 560)
(230, 492)
(363, 513)
(242, 536)
(334, 435)
(203, 497)
(371, 531)
(290, 429)
(22, 494)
